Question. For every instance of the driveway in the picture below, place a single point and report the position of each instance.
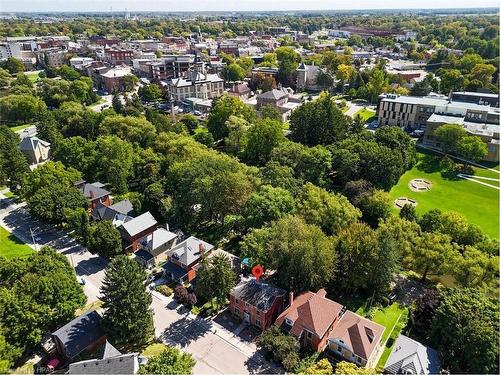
(216, 350)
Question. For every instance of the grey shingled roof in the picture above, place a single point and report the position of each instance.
(78, 334)
(188, 251)
(31, 143)
(408, 354)
(259, 294)
(139, 224)
(158, 238)
(273, 94)
(114, 364)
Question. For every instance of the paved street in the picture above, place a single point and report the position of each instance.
(216, 349)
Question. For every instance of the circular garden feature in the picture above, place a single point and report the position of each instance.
(420, 184)
(401, 201)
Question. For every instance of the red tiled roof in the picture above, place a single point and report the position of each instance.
(358, 333)
(311, 311)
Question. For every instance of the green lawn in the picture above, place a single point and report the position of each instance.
(478, 203)
(11, 246)
(366, 114)
(153, 349)
(19, 127)
(33, 76)
(394, 318)
(99, 102)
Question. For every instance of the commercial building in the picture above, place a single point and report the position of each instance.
(428, 113)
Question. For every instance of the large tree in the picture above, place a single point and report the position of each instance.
(449, 136)
(128, 319)
(318, 122)
(13, 164)
(38, 293)
(105, 239)
(331, 212)
(114, 159)
(170, 361)
(266, 205)
(21, 108)
(262, 138)
(224, 107)
(136, 130)
(215, 279)
(465, 331)
(301, 254)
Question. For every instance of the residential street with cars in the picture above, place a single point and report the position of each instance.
(216, 349)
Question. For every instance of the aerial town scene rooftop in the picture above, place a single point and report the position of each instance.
(263, 189)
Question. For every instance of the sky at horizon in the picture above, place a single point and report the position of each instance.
(218, 5)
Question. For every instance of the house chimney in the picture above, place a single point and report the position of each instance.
(290, 299)
(201, 248)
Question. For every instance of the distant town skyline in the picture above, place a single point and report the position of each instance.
(217, 5)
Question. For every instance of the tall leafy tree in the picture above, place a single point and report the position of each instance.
(222, 109)
(128, 319)
(215, 279)
(105, 239)
(465, 331)
(262, 138)
(331, 212)
(170, 361)
(13, 164)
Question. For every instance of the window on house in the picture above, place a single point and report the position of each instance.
(339, 349)
(358, 359)
(289, 321)
(237, 311)
(257, 322)
(236, 300)
(309, 335)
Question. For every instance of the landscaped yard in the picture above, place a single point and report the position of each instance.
(153, 349)
(477, 202)
(393, 318)
(19, 127)
(366, 114)
(12, 247)
(33, 76)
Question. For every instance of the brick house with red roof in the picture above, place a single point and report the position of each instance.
(320, 323)
(311, 317)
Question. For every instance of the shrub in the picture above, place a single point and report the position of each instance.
(165, 290)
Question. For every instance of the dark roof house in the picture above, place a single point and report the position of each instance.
(259, 294)
(112, 362)
(80, 334)
(118, 213)
(35, 149)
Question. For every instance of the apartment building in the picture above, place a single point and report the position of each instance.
(412, 112)
(117, 56)
(171, 66)
(428, 113)
(196, 83)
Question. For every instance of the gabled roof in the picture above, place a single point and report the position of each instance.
(94, 191)
(158, 238)
(311, 311)
(273, 94)
(112, 362)
(120, 209)
(259, 294)
(32, 143)
(80, 333)
(408, 354)
(139, 224)
(359, 334)
(189, 250)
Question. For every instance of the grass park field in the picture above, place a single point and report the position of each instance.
(366, 114)
(11, 246)
(477, 200)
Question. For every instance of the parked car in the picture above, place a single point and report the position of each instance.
(81, 281)
(197, 113)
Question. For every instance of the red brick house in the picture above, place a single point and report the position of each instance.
(311, 317)
(133, 230)
(95, 193)
(320, 323)
(257, 303)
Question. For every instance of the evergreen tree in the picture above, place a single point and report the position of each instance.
(128, 320)
(117, 103)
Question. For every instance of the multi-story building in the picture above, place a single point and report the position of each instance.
(257, 303)
(476, 97)
(117, 56)
(171, 66)
(428, 113)
(51, 57)
(196, 84)
(413, 112)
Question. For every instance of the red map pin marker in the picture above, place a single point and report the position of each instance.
(257, 271)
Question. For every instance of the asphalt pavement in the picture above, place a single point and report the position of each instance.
(216, 350)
